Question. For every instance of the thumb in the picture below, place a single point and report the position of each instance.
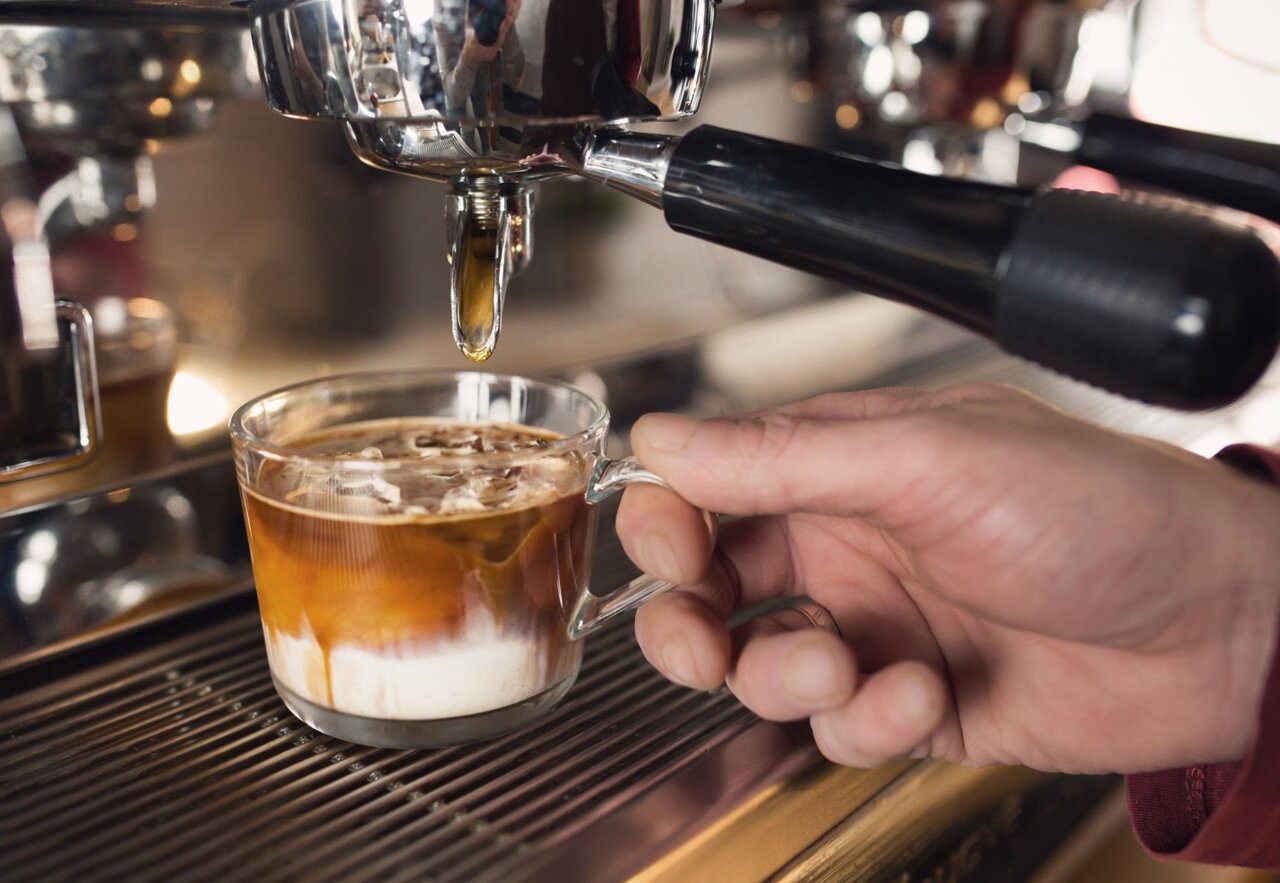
(776, 463)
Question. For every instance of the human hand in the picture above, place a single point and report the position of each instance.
(1011, 585)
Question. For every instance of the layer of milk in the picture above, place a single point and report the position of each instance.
(414, 680)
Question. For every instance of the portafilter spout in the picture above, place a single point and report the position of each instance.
(490, 228)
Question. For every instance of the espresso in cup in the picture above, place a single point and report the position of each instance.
(421, 546)
(434, 592)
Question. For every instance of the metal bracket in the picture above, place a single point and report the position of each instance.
(79, 434)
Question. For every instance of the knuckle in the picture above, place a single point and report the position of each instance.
(894, 397)
(753, 452)
(767, 438)
(979, 392)
(719, 590)
(827, 399)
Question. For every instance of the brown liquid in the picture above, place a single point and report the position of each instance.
(476, 315)
(384, 575)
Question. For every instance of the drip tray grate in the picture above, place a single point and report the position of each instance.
(178, 761)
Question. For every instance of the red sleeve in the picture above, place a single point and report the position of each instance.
(1226, 813)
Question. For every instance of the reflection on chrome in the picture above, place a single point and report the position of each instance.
(488, 95)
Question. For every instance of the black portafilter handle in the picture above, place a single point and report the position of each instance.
(1162, 305)
(1233, 172)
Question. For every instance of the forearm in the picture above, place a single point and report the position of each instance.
(458, 84)
(513, 61)
(459, 77)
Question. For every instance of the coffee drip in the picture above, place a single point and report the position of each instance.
(490, 242)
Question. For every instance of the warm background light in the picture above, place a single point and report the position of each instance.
(195, 406)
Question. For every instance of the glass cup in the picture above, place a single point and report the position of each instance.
(414, 594)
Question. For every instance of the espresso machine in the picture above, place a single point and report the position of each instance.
(492, 98)
(1037, 272)
(83, 106)
(143, 739)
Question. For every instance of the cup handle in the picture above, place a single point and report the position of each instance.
(591, 611)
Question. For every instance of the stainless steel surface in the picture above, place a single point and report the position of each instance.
(631, 162)
(421, 93)
(391, 60)
(98, 190)
(144, 547)
(81, 103)
(403, 78)
(174, 759)
(80, 91)
(30, 280)
(930, 84)
(27, 297)
(72, 63)
(149, 13)
(65, 404)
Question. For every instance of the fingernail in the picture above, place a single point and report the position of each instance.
(659, 557)
(666, 432)
(677, 660)
(912, 702)
(810, 673)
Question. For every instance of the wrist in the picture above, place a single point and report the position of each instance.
(1255, 588)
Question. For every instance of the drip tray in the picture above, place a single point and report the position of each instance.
(179, 760)
(155, 748)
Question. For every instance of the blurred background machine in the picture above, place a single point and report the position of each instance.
(220, 250)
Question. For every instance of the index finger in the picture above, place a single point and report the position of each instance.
(845, 454)
(776, 464)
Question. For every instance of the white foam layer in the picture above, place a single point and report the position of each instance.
(417, 681)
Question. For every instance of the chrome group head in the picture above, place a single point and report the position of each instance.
(488, 95)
